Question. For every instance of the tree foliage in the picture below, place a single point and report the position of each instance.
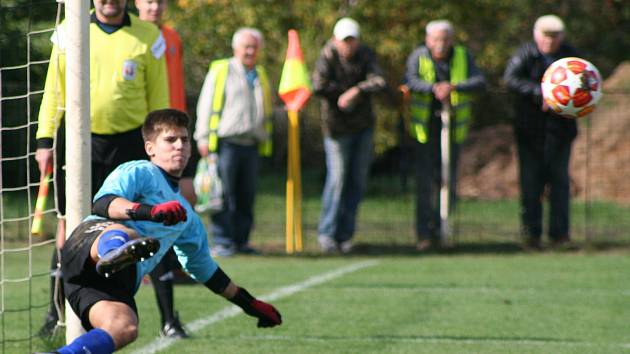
(492, 29)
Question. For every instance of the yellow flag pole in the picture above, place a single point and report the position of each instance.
(290, 226)
(294, 188)
(298, 184)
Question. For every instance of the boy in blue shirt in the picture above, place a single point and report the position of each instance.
(104, 260)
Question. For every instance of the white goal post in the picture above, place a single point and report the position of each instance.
(77, 120)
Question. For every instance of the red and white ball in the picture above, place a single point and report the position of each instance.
(572, 87)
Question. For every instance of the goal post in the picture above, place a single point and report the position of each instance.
(77, 120)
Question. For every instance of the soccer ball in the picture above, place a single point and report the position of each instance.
(572, 87)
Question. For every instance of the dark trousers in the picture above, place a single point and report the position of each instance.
(428, 181)
(238, 169)
(541, 166)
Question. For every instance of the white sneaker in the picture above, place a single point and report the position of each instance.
(346, 247)
(223, 251)
(327, 245)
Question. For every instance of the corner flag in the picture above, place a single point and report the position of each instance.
(295, 90)
(295, 85)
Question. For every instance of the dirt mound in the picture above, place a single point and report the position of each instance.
(488, 167)
(600, 162)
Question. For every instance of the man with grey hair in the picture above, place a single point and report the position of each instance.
(345, 77)
(234, 114)
(543, 138)
(438, 73)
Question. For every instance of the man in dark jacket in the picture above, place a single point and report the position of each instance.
(345, 76)
(543, 137)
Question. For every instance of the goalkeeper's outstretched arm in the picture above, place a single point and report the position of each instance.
(267, 315)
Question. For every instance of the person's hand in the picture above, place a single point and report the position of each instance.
(44, 158)
(169, 213)
(405, 94)
(442, 90)
(347, 99)
(544, 107)
(266, 314)
(203, 149)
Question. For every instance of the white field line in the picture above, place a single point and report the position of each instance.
(231, 311)
(440, 340)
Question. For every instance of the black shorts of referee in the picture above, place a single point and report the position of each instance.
(84, 287)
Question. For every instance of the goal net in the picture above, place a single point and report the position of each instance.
(26, 28)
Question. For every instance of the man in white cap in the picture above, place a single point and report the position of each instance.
(346, 74)
(543, 138)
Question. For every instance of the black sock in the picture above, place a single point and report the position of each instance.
(162, 279)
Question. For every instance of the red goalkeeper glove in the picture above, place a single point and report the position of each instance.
(168, 213)
(267, 315)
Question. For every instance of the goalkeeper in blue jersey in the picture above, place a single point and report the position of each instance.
(104, 260)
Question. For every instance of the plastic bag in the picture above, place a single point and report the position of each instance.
(208, 186)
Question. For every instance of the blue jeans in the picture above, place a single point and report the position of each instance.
(541, 166)
(238, 169)
(348, 160)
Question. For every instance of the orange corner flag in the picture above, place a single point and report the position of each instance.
(295, 85)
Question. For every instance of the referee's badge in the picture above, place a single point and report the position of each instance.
(129, 70)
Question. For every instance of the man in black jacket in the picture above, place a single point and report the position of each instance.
(543, 138)
(346, 75)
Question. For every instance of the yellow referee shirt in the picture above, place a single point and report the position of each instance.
(128, 78)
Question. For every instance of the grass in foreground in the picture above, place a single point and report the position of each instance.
(485, 295)
(482, 301)
(522, 303)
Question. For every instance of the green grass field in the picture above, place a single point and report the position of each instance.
(523, 303)
(550, 302)
(483, 296)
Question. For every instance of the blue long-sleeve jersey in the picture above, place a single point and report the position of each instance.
(143, 182)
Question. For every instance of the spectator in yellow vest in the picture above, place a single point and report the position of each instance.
(438, 72)
(234, 121)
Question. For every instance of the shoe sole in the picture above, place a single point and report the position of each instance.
(130, 253)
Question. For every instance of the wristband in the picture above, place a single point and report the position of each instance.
(139, 212)
(243, 299)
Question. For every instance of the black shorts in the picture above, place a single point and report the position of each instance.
(60, 169)
(84, 287)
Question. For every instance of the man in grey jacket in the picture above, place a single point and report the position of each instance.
(234, 121)
(345, 76)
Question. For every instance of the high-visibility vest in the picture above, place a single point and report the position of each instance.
(460, 102)
(220, 70)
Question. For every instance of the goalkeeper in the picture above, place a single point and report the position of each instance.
(104, 261)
